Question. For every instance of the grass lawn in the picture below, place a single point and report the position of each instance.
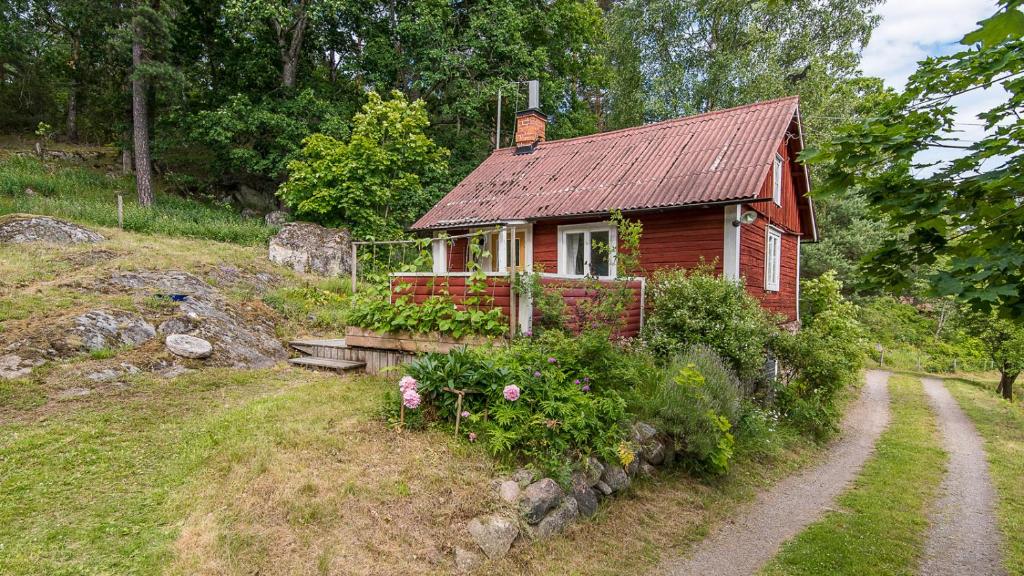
(88, 196)
(1001, 424)
(232, 472)
(883, 520)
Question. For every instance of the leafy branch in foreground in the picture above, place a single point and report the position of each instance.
(959, 226)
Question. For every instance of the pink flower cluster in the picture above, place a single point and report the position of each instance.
(511, 392)
(410, 397)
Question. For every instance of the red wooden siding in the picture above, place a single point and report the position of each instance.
(786, 216)
(752, 241)
(674, 238)
(574, 291)
(422, 287)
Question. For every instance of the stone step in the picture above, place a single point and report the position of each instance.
(326, 363)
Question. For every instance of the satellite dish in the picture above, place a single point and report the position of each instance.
(747, 217)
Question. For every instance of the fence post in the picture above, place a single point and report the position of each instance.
(510, 265)
(120, 211)
(355, 263)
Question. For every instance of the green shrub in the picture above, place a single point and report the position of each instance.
(569, 406)
(372, 308)
(696, 307)
(697, 412)
(825, 356)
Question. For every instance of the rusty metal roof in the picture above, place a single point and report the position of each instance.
(718, 156)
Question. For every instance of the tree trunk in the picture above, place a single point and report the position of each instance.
(1006, 384)
(140, 121)
(72, 119)
(289, 42)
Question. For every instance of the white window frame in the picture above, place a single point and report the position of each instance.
(777, 179)
(772, 259)
(613, 241)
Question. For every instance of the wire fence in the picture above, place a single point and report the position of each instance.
(920, 361)
(373, 261)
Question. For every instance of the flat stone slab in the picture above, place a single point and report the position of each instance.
(188, 346)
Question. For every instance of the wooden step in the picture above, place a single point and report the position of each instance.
(318, 346)
(326, 363)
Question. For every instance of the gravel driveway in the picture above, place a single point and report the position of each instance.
(741, 546)
(962, 538)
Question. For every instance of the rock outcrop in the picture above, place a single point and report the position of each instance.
(19, 229)
(309, 248)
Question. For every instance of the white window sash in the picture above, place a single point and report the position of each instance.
(563, 249)
(772, 259)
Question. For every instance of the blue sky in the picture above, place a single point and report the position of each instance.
(914, 29)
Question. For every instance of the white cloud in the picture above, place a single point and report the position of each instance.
(912, 30)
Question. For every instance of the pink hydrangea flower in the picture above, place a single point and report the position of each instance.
(472, 436)
(411, 399)
(465, 414)
(511, 392)
(407, 383)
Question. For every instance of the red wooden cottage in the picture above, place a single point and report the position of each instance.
(722, 187)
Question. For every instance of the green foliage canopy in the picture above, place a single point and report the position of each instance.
(377, 183)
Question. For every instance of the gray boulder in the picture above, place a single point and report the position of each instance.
(615, 477)
(559, 519)
(538, 498)
(646, 469)
(642, 432)
(593, 471)
(493, 534)
(178, 325)
(586, 498)
(188, 346)
(603, 489)
(524, 477)
(509, 491)
(277, 218)
(19, 229)
(309, 248)
(98, 329)
(239, 340)
(467, 559)
(653, 452)
(14, 366)
(257, 201)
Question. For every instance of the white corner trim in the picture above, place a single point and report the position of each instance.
(731, 243)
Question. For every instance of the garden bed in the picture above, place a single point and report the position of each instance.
(411, 342)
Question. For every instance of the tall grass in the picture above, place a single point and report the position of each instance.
(89, 197)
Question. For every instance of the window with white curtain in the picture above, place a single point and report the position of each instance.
(772, 259)
(587, 250)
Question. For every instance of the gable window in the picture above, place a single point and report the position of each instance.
(772, 259)
(777, 180)
(587, 250)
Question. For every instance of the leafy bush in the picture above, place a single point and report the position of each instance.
(372, 309)
(821, 359)
(697, 307)
(696, 410)
(569, 405)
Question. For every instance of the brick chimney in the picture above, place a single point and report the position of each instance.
(531, 123)
(530, 127)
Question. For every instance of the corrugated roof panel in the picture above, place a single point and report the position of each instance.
(713, 157)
